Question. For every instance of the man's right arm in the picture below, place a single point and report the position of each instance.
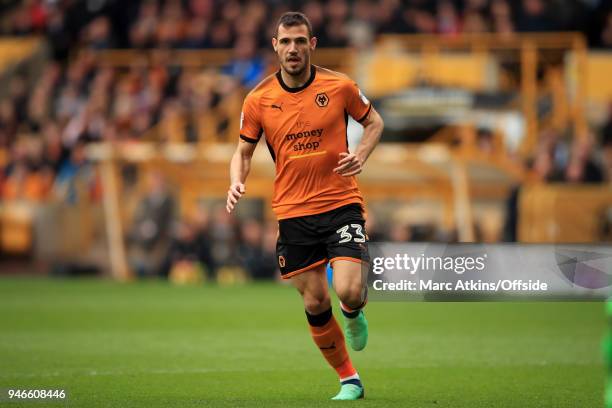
(239, 170)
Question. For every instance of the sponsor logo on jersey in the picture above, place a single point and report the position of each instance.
(308, 145)
(305, 133)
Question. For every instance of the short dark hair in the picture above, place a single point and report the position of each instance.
(292, 19)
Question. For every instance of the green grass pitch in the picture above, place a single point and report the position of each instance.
(154, 345)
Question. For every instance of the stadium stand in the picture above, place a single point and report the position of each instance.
(496, 112)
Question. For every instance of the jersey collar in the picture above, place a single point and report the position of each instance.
(313, 72)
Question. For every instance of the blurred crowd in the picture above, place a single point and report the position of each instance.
(44, 126)
(209, 243)
(337, 23)
(213, 244)
(47, 123)
(559, 158)
(43, 123)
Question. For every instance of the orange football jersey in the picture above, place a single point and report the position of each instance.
(305, 129)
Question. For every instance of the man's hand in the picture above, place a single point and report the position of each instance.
(234, 193)
(349, 165)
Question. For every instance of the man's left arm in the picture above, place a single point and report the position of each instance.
(351, 164)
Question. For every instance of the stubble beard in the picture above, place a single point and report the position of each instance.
(298, 70)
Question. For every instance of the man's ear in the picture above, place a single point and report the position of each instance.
(274, 43)
(313, 43)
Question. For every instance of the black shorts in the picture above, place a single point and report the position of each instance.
(312, 240)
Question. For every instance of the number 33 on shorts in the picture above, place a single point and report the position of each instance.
(356, 236)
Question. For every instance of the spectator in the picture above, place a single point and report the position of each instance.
(26, 184)
(224, 238)
(448, 19)
(474, 23)
(202, 8)
(361, 27)
(375, 233)
(400, 232)
(535, 17)
(221, 35)
(541, 170)
(55, 153)
(8, 123)
(606, 32)
(183, 251)
(582, 168)
(98, 34)
(76, 179)
(150, 231)
(316, 13)
(502, 18)
(246, 66)
(197, 34)
(201, 222)
(259, 263)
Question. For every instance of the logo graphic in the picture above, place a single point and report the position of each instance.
(281, 261)
(584, 266)
(279, 107)
(333, 346)
(322, 99)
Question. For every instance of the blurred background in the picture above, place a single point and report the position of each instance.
(118, 120)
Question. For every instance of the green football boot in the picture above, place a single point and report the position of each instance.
(356, 331)
(349, 392)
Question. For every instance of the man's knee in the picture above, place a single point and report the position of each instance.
(350, 283)
(316, 303)
(351, 295)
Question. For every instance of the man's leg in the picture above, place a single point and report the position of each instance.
(325, 331)
(350, 285)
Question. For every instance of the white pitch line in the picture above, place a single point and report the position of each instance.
(97, 373)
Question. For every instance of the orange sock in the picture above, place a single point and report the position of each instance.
(330, 340)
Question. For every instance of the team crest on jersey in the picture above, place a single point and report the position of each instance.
(322, 99)
(281, 261)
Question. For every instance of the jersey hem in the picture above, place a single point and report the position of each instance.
(248, 139)
(304, 269)
(365, 115)
(324, 210)
(347, 258)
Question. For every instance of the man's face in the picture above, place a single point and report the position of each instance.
(293, 48)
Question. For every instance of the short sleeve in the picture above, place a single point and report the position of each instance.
(357, 105)
(250, 124)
